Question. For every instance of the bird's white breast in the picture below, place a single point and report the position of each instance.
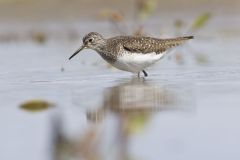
(136, 62)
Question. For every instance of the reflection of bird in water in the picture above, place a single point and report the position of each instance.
(135, 97)
(130, 106)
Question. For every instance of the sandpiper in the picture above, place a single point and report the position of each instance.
(130, 53)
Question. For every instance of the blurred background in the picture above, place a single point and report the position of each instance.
(55, 109)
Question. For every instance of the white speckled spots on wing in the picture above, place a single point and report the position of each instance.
(136, 62)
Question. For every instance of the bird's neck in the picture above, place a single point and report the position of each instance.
(104, 52)
(101, 47)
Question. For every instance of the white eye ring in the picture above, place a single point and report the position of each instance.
(90, 40)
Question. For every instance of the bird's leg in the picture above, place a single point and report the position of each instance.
(138, 74)
(145, 73)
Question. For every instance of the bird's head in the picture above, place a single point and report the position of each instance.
(92, 40)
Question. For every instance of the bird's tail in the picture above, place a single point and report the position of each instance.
(177, 41)
(165, 44)
(182, 39)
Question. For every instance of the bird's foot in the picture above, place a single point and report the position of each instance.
(144, 72)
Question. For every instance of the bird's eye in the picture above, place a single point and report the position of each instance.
(90, 40)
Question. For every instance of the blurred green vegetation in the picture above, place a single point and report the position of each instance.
(201, 21)
(144, 10)
(197, 24)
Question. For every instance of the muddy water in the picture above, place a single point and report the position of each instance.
(181, 111)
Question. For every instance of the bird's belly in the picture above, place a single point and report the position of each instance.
(136, 62)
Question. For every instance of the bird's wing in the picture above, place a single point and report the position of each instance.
(147, 44)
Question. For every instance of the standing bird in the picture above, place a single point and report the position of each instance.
(130, 53)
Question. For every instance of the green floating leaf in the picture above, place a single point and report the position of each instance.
(201, 21)
(36, 105)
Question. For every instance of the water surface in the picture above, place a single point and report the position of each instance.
(188, 110)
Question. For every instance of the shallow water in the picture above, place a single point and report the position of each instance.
(181, 111)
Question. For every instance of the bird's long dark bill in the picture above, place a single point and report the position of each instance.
(77, 51)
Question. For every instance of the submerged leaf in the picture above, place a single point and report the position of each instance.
(201, 58)
(178, 24)
(36, 105)
(62, 69)
(201, 21)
